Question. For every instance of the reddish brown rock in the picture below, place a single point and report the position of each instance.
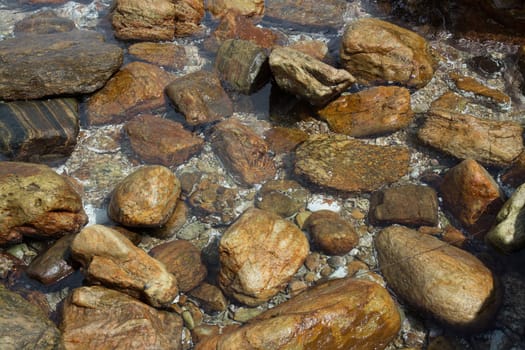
(183, 260)
(138, 87)
(100, 318)
(210, 298)
(444, 281)
(243, 152)
(200, 97)
(54, 264)
(349, 165)
(331, 233)
(259, 254)
(111, 259)
(242, 7)
(37, 202)
(471, 194)
(367, 318)
(378, 51)
(283, 140)
(482, 93)
(167, 55)
(145, 198)
(378, 110)
(162, 141)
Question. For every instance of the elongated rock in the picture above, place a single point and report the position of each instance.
(442, 280)
(339, 314)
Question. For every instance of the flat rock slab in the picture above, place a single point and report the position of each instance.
(349, 165)
(43, 22)
(76, 62)
(308, 13)
(53, 264)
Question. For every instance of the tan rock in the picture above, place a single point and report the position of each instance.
(111, 259)
(378, 110)
(167, 55)
(367, 318)
(331, 233)
(259, 254)
(242, 7)
(444, 281)
(377, 51)
(145, 198)
(100, 318)
(138, 87)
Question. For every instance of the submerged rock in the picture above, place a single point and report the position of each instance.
(54, 264)
(282, 197)
(246, 8)
(331, 233)
(310, 14)
(167, 55)
(43, 22)
(482, 93)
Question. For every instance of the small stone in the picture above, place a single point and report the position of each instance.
(336, 261)
(357, 214)
(453, 236)
(176, 221)
(145, 198)
(282, 197)
(312, 15)
(167, 55)
(200, 97)
(52, 265)
(246, 8)
(331, 233)
(43, 22)
(482, 93)
(244, 314)
(215, 203)
(210, 297)
(313, 261)
(283, 140)
(203, 331)
(301, 218)
(356, 267)
(310, 277)
(296, 286)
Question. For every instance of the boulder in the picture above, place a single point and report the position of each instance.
(188, 15)
(331, 233)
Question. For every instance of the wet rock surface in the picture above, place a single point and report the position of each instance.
(282, 140)
(247, 8)
(282, 197)
(44, 22)
(209, 297)
(331, 233)
(54, 264)
(166, 55)
(214, 203)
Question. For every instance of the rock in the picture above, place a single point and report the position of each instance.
(137, 88)
(310, 14)
(470, 193)
(465, 136)
(111, 259)
(162, 141)
(367, 318)
(200, 97)
(43, 22)
(188, 15)
(283, 140)
(306, 77)
(210, 298)
(39, 130)
(97, 317)
(174, 224)
(282, 197)
(54, 264)
(410, 205)
(437, 278)
(24, 326)
(9, 264)
(242, 152)
(521, 66)
(145, 198)
(376, 51)
(76, 62)
(243, 65)
(378, 110)
(246, 8)
(515, 174)
(215, 203)
(482, 93)
(259, 254)
(315, 48)
(331, 233)
(183, 260)
(288, 110)
(37, 202)
(349, 165)
(509, 232)
(167, 55)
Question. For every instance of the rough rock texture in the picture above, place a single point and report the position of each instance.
(76, 62)
(43, 22)
(247, 8)
(349, 165)
(111, 259)
(339, 314)
(214, 203)
(200, 97)
(100, 318)
(378, 110)
(167, 55)
(282, 197)
(465, 136)
(53, 264)
(470, 193)
(182, 259)
(282, 139)
(243, 65)
(307, 77)
(210, 298)
(137, 88)
(410, 205)
(24, 326)
(145, 198)
(38, 130)
(509, 232)
(162, 141)
(319, 15)
(259, 254)
(35, 201)
(331, 233)
(376, 51)
(444, 281)
(243, 152)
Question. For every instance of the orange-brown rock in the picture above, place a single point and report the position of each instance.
(315, 48)
(515, 174)
(243, 152)
(482, 93)
(377, 51)
(138, 87)
(259, 253)
(339, 314)
(167, 55)
(43, 22)
(112, 260)
(282, 197)
(378, 110)
(145, 198)
(282, 140)
(188, 15)
(210, 297)
(242, 7)
(100, 318)
(331, 233)
(444, 281)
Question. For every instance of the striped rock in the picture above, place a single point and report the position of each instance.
(38, 130)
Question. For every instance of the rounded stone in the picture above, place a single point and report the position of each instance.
(331, 233)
